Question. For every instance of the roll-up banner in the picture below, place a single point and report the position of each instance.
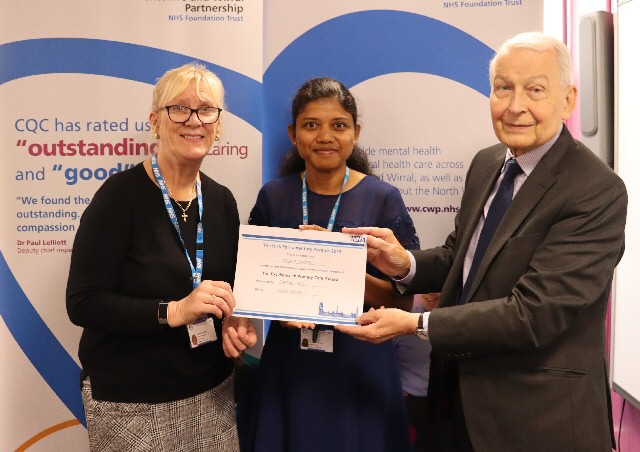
(76, 79)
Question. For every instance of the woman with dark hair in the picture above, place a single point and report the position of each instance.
(336, 394)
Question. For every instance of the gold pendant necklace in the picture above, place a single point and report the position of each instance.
(184, 209)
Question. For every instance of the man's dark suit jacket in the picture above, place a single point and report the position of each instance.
(530, 343)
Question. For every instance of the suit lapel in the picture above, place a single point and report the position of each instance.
(478, 193)
(527, 198)
(479, 185)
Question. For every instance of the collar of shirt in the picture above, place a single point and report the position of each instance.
(529, 160)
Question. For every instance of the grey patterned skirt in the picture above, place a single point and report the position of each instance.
(205, 422)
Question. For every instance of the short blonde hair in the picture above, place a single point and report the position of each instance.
(175, 81)
(535, 40)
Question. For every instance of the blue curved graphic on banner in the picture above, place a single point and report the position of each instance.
(121, 60)
(39, 344)
(359, 46)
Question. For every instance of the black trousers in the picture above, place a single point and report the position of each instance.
(447, 431)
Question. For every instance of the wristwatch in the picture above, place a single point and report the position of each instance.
(163, 309)
(421, 331)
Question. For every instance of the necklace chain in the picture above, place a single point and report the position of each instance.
(184, 209)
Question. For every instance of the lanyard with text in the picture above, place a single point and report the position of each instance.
(305, 202)
(196, 272)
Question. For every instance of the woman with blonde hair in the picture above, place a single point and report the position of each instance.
(152, 267)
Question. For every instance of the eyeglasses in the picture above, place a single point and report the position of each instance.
(181, 114)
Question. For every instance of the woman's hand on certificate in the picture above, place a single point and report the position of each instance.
(238, 334)
(297, 325)
(312, 227)
(209, 298)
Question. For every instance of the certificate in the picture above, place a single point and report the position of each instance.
(309, 276)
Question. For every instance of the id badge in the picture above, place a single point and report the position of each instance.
(201, 332)
(323, 341)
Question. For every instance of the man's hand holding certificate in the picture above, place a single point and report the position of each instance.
(307, 276)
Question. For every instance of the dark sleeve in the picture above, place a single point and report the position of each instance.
(99, 250)
(234, 228)
(397, 219)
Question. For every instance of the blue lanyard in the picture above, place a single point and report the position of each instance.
(305, 202)
(196, 273)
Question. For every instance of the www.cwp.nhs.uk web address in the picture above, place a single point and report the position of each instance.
(432, 209)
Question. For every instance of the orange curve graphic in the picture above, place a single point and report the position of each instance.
(49, 431)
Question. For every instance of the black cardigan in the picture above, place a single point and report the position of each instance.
(126, 259)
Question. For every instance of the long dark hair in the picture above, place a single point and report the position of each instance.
(324, 88)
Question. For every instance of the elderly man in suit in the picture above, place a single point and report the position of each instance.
(518, 361)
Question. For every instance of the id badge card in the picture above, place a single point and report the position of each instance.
(201, 332)
(323, 340)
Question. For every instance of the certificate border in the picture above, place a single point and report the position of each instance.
(358, 242)
(324, 320)
(272, 238)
